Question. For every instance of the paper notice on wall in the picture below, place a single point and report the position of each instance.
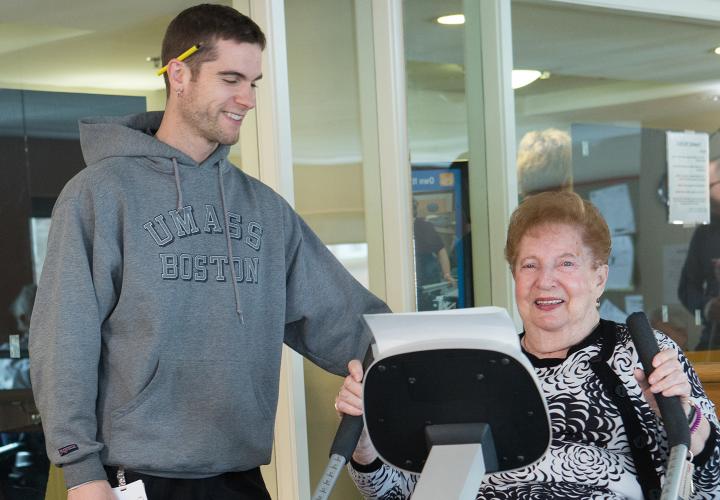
(610, 311)
(673, 261)
(634, 303)
(621, 263)
(614, 204)
(688, 192)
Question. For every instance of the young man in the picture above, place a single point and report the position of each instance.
(171, 282)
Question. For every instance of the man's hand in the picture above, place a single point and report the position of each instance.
(349, 399)
(94, 490)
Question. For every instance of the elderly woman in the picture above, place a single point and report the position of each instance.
(607, 441)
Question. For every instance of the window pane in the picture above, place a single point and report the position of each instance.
(614, 84)
(40, 146)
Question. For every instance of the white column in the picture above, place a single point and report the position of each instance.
(477, 172)
(393, 153)
(491, 125)
(370, 147)
(500, 126)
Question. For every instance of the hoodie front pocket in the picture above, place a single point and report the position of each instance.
(196, 417)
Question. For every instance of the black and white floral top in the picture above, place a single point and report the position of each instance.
(606, 440)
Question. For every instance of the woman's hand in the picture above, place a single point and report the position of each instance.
(349, 401)
(667, 379)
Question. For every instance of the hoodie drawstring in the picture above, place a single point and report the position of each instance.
(229, 244)
(177, 184)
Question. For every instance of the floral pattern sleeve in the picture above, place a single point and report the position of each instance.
(382, 482)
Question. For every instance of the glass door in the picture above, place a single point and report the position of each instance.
(625, 112)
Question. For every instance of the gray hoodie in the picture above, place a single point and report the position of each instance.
(148, 349)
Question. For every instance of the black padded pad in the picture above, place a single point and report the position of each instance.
(406, 392)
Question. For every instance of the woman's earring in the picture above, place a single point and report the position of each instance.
(179, 92)
(597, 302)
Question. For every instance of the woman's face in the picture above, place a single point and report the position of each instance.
(557, 285)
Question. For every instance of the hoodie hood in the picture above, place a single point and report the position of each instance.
(134, 136)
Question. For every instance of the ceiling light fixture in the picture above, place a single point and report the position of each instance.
(717, 50)
(452, 19)
(523, 77)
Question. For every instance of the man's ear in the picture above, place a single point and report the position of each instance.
(178, 75)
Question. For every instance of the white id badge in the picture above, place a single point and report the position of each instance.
(132, 491)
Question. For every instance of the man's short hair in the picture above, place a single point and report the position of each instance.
(205, 24)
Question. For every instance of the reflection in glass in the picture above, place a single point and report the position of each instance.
(40, 152)
(544, 162)
(441, 237)
(617, 100)
(699, 288)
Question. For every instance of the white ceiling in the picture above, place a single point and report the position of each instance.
(604, 64)
(83, 43)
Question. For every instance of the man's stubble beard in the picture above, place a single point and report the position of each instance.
(204, 124)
